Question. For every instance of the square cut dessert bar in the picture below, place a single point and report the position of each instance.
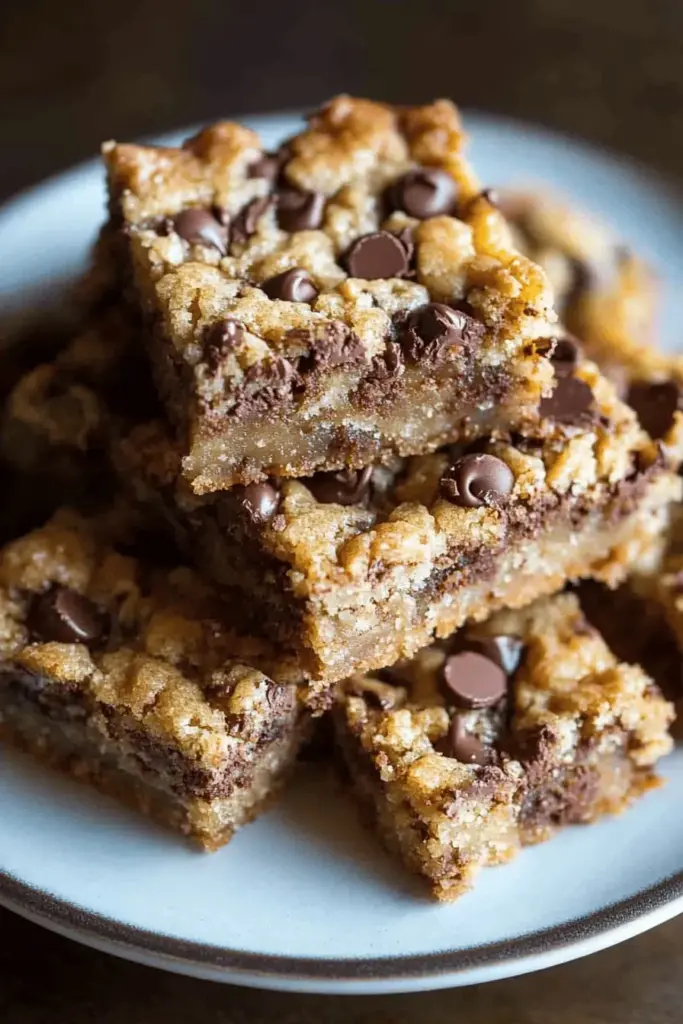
(609, 298)
(67, 404)
(58, 420)
(351, 571)
(652, 595)
(604, 293)
(129, 677)
(497, 737)
(351, 297)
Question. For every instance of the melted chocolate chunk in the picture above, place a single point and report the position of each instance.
(246, 222)
(655, 405)
(435, 330)
(475, 480)
(462, 745)
(220, 339)
(266, 166)
(335, 344)
(62, 615)
(266, 387)
(572, 402)
(566, 355)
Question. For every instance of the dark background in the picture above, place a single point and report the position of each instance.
(74, 73)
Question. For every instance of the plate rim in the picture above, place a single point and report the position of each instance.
(420, 970)
(602, 927)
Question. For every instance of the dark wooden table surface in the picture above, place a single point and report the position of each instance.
(74, 73)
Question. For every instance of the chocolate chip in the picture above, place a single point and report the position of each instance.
(505, 651)
(472, 680)
(62, 615)
(298, 210)
(431, 331)
(475, 480)
(347, 487)
(245, 223)
(222, 338)
(294, 285)
(566, 355)
(268, 385)
(199, 227)
(332, 344)
(265, 166)
(462, 745)
(424, 192)
(377, 255)
(571, 402)
(655, 405)
(260, 502)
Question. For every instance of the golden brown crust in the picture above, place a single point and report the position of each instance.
(577, 723)
(351, 152)
(168, 663)
(607, 295)
(410, 522)
(328, 574)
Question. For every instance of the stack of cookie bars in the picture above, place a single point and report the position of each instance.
(331, 453)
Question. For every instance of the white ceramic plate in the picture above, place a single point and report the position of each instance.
(303, 899)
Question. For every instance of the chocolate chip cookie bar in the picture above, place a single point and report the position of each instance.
(604, 293)
(608, 298)
(652, 596)
(497, 737)
(67, 404)
(132, 678)
(58, 420)
(352, 297)
(351, 571)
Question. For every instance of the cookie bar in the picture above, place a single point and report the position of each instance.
(351, 571)
(604, 293)
(351, 297)
(128, 676)
(498, 737)
(67, 404)
(609, 298)
(58, 420)
(652, 597)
